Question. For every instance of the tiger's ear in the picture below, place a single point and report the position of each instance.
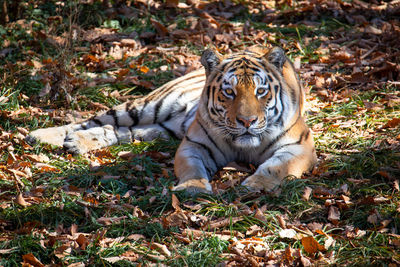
(277, 57)
(210, 59)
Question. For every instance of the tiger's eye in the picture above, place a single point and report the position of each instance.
(229, 91)
(261, 91)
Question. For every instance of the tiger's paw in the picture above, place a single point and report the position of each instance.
(194, 186)
(257, 183)
(77, 143)
(80, 142)
(53, 136)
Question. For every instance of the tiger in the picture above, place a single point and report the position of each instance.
(245, 107)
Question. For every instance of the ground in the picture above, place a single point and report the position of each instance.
(64, 62)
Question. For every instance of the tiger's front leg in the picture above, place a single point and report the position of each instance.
(192, 168)
(290, 160)
(196, 161)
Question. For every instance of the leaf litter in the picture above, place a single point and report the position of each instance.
(349, 65)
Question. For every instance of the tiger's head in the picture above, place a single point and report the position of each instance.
(249, 94)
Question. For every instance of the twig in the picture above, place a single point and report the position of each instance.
(369, 52)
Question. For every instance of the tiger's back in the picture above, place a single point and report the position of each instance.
(167, 111)
(251, 109)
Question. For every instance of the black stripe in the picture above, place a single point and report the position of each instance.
(265, 66)
(189, 114)
(140, 113)
(220, 99)
(212, 109)
(279, 136)
(208, 170)
(170, 132)
(97, 121)
(224, 66)
(113, 113)
(245, 60)
(212, 140)
(254, 69)
(206, 148)
(157, 110)
(279, 119)
(133, 114)
(303, 136)
(232, 70)
(208, 88)
(160, 91)
(307, 134)
(174, 113)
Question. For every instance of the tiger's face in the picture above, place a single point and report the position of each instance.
(243, 97)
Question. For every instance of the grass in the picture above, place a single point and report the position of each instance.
(104, 193)
(206, 252)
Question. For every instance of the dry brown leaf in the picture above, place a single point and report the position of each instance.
(110, 220)
(161, 29)
(392, 123)
(38, 158)
(222, 223)
(130, 255)
(281, 221)
(396, 185)
(8, 251)
(260, 215)
(307, 193)
(77, 264)
(334, 214)
(161, 248)
(254, 230)
(287, 233)
(177, 218)
(172, 3)
(175, 203)
(126, 155)
(143, 69)
(82, 241)
(74, 229)
(373, 218)
(311, 245)
(21, 201)
(32, 260)
(135, 237)
(288, 255)
(114, 259)
(43, 167)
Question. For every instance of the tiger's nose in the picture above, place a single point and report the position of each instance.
(246, 121)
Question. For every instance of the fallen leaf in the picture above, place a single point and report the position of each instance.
(392, 123)
(222, 223)
(38, 158)
(254, 230)
(287, 233)
(310, 245)
(8, 251)
(114, 259)
(334, 214)
(82, 241)
(172, 3)
(307, 193)
(32, 260)
(396, 185)
(161, 248)
(161, 29)
(175, 203)
(21, 201)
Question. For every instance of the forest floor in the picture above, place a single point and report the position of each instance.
(63, 61)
